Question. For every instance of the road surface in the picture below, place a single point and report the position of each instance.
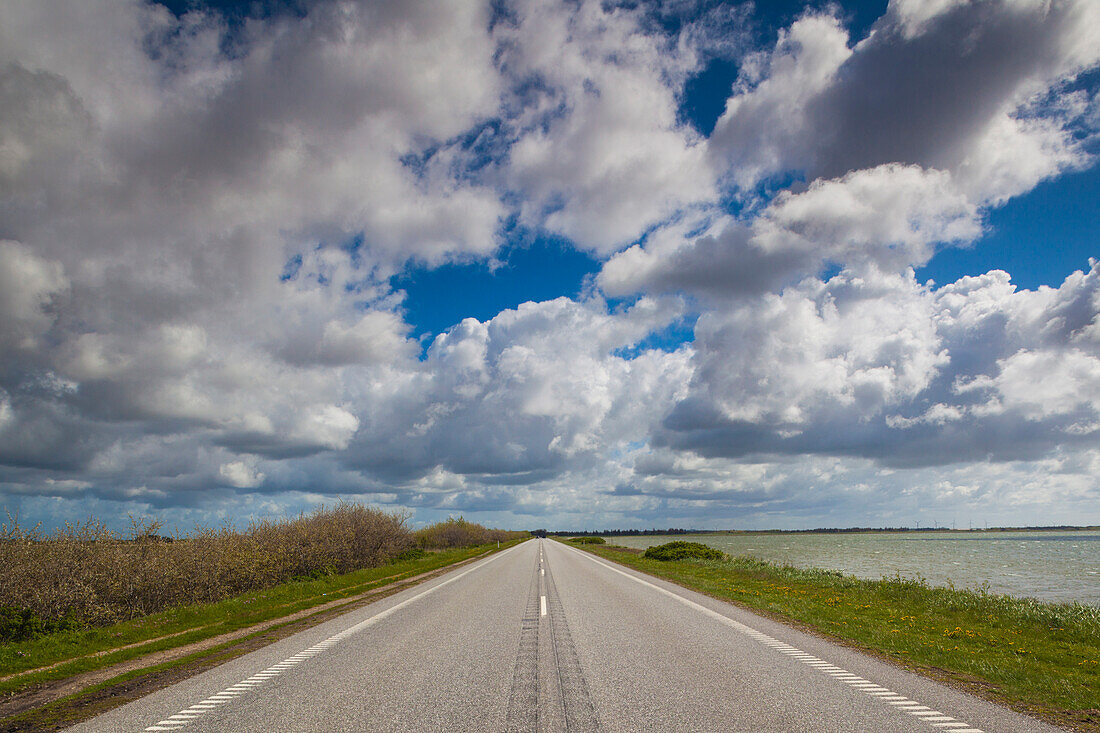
(544, 637)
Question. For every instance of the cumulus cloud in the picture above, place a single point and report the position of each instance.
(601, 155)
(890, 217)
(766, 126)
(523, 396)
(936, 84)
(849, 345)
(200, 220)
(200, 241)
(241, 475)
(968, 372)
(29, 289)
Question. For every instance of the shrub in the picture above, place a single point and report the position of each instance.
(681, 550)
(413, 553)
(21, 624)
(588, 540)
(86, 573)
(457, 532)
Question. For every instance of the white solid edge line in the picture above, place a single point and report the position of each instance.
(231, 692)
(747, 630)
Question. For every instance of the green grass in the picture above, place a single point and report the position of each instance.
(1036, 656)
(188, 624)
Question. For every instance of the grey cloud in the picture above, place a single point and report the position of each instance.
(42, 127)
(889, 218)
(923, 99)
(48, 436)
(715, 265)
(693, 427)
(31, 291)
(927, 96)
(267, 445)
(598, 153)
(931, 117)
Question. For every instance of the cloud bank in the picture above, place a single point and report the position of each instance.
(200, 218)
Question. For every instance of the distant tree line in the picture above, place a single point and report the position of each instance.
(619, 532)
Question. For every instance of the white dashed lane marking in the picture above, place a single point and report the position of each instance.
(934, 718)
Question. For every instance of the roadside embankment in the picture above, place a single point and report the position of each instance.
(1040, 658)
(85, 574)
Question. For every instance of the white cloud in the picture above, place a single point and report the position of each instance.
(601, 155)
(220, 228)
(1046, 383)
(241, 475)
(329, 426)
(890, 218)
(524, 395)
(765, 127)
(1015, 153)
(29, 288)
(937, 414)
(7, 417)
(893, 371)
(890, 215)
(938, 84)
(195, 301)
(852, 344)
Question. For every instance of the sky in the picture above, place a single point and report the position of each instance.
(551, 264)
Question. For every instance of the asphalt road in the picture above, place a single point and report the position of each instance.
(543, 637)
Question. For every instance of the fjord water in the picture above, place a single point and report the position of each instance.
(1058, 566)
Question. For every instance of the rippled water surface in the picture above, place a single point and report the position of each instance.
(1052, 566)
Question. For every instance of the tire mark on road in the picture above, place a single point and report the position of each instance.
(523, 703)
(580, 713)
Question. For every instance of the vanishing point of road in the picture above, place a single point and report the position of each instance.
(545, 637)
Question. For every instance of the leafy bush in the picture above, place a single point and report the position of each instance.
(21, 624)
(413, 553)
(588, 540)
(681, 550)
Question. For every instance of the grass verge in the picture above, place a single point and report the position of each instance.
(28, 667)
(1040, 658)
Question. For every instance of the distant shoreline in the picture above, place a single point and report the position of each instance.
(819, 530)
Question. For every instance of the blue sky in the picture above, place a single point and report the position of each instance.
(551, 263)
(1040, 237)
(542, 269)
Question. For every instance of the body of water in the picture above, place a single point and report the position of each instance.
(1051, 566)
